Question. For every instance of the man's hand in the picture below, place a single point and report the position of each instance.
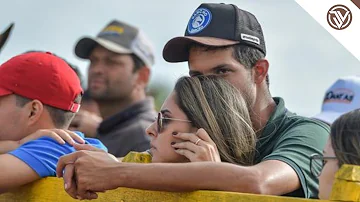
(86, 122)
(197, 147)
(61, 136)
(85, 171)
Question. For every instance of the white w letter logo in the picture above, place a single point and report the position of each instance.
(339, 17)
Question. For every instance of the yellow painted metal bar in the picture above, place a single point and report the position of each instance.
(346, 188)
(346, 185)
(51, 189)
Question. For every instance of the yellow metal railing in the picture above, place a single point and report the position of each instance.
(346, 188)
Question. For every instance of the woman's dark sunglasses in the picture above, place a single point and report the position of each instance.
(160, 118)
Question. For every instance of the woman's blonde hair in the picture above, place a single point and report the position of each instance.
(215, 105)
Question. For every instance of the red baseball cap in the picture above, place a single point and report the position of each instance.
(41, 76)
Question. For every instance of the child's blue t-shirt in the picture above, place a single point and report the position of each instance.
(42, 154)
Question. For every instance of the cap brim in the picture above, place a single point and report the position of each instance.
(177, 49)
(84, 47)
(4, 92)
(328, 116)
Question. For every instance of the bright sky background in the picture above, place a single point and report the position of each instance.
(304, 58)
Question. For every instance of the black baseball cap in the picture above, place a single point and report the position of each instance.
(118, 37)
(214, 24)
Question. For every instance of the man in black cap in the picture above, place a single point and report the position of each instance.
(224, 40)
(120, 60)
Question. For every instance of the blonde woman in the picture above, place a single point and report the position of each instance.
(200, 104)
(196, 105)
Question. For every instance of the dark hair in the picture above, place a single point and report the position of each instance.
(345, 138)
(211, 103)
(61, 118)
(138, 63)
(245, 55)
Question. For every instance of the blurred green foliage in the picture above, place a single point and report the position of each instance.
(159, 91)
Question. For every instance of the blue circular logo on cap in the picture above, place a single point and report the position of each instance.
(200, 19)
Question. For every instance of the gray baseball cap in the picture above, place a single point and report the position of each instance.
(118, 37)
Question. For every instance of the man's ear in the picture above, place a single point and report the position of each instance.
(261, 68)
(143, 76)
(35, 111)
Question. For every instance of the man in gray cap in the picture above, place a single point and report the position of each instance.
(120, 59)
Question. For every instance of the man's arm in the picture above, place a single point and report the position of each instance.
(269, 177)
(295, 148)
(14, 173)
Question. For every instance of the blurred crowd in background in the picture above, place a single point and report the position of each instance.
(298, 46)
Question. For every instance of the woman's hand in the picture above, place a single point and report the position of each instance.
(196, 147)
(59, 135)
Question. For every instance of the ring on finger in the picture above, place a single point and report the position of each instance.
(197, 141)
